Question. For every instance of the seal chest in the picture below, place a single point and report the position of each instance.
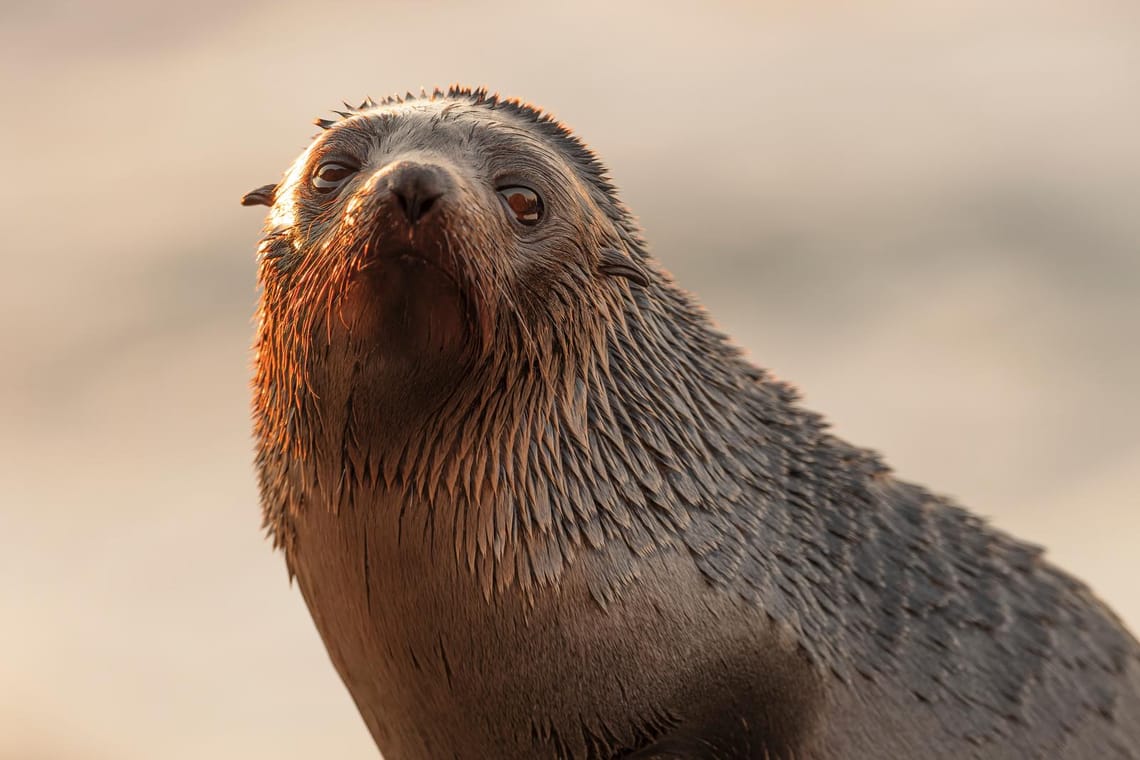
(539, 507)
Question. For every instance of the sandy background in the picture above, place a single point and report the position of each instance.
(925, 214)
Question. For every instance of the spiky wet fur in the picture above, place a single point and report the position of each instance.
(597, 416)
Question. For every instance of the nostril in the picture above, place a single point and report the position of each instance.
(401, 201)
(426, 204)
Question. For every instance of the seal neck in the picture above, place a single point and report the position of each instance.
(631, 425)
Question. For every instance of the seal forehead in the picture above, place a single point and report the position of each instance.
(435, 123)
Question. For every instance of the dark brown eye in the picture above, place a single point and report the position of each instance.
(330, 175)
(523, 203)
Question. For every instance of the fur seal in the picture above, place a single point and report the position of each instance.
(539, 507)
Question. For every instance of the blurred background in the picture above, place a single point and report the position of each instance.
(925, 214)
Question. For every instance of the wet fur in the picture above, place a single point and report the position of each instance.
(582, 526)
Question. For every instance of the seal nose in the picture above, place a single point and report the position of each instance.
(416, 188)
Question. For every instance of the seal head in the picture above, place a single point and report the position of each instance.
(424, 258)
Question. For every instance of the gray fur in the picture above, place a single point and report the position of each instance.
(539, 507)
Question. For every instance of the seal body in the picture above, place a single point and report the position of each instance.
(437, 670)
(539, 507)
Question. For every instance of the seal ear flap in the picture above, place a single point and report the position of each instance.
(262, 196)
(615, 263)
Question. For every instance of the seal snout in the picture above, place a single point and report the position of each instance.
(416, 187)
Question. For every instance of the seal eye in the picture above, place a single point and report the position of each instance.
(523, 203)
(330, 175)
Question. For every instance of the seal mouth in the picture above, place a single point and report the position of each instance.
(414, 258)
(381, 253)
